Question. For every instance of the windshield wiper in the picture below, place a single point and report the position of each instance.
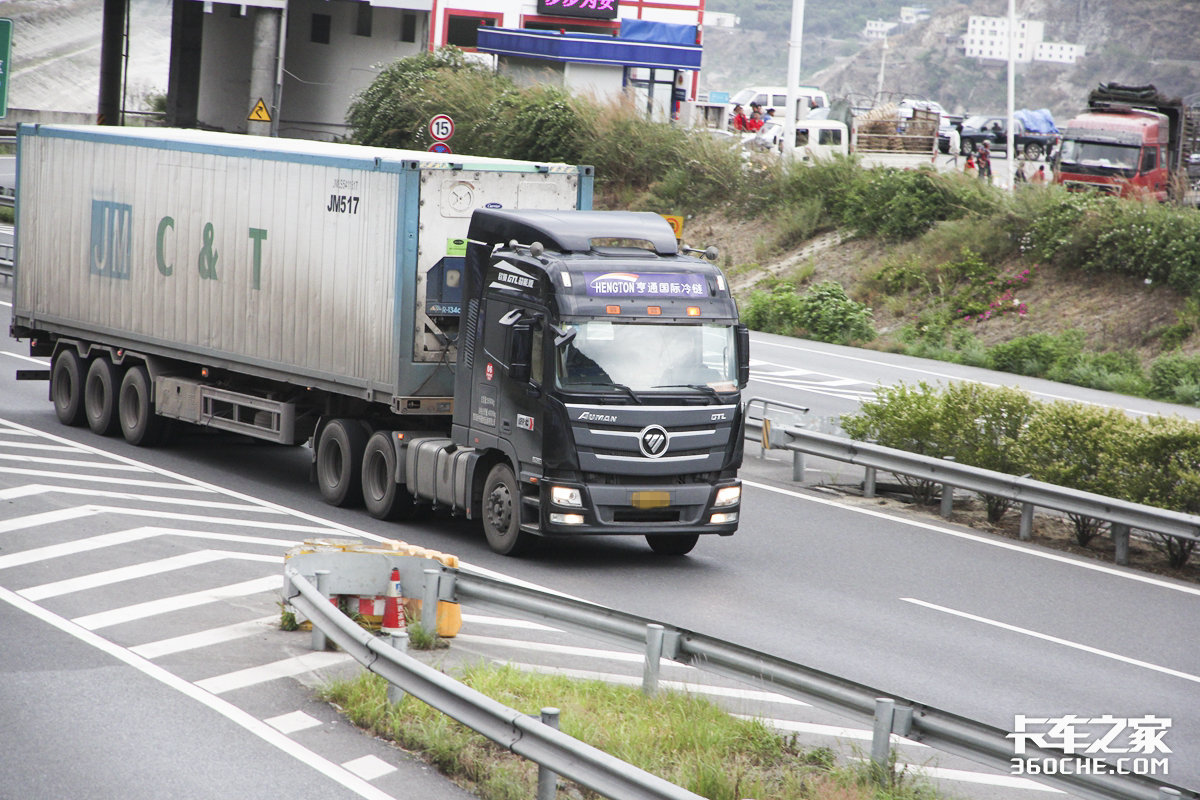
(700, 387)
(619, 386)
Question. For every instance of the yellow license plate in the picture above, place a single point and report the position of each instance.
(651, 499)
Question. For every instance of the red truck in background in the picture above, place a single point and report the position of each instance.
(1132, 142)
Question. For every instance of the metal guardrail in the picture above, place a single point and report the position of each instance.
(610, 777)
(526, 736)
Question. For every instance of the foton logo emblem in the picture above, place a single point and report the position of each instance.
(653, 441)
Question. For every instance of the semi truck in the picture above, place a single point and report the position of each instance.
(1130, 142)
(443, 331)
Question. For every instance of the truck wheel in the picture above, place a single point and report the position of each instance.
(668, 545)
(140, 426)
(100, 396)
(501, 513)
(1033, 151)
(339, 461)
(66, 387)
(384, 498)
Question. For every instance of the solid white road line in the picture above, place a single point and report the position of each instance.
(833, 731)
(48, 552)
(45, 448)
(254, 726)
(542, 647)
(991, 542)
(297, 665)
(32, 489)
(179, 602)
(506, 622)
(43, 473)
(678, 686)
(108, 577)
(70, 462)
(208, 638)
(1056, 640)
(44, 518)
(50, 517)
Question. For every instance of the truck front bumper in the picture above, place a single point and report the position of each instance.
(643, 509)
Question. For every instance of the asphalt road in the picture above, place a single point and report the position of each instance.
(935, 613)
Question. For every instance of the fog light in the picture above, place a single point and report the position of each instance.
(569, 519)
(721, 519)
(728, 496)
(565, 496)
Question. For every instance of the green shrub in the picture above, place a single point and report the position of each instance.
(773, 310)
(902, 417)
(1038, 353)
(1162, 468)
(981, 425)
(1171, 372)
(827, 314)
(1077, 445)
(542, 123)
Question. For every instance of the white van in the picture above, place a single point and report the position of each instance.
(808, 99)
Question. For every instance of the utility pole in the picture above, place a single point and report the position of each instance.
(790, 117)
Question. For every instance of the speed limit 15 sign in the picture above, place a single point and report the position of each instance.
(441, 127)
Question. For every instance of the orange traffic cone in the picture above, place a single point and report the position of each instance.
(393, 617)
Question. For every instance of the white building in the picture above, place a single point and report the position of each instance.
(911, 15)
(879, 28)
(987, 37)
(305, 60)
(1059, 52)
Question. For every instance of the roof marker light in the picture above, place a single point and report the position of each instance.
(612, 309)
(693, 311)
(654, 311)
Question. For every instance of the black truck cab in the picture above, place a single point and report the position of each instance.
(598, 378)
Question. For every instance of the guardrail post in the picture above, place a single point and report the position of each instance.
(654, 646)
(318, 636)
(797, 466)
(1120, 537)
(881, 739)
(429, 601)
(400, 642)
(548, 780)
(1025, 532)
(869, 482)
(947, 495)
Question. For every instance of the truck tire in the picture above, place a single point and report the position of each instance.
(501, 513)
(1033, 151)
(383, 497)
(66, 387)
(339, 461)
(666, 544)
(140, 426)
(100, 396)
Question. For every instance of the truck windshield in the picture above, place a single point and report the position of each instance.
(647, 357)
(1076, 153)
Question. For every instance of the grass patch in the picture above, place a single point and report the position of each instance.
(684, 739)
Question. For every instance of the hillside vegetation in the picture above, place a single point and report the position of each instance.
(1088, 290)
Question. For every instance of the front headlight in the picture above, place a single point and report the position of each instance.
(566, 496)
(728, 496)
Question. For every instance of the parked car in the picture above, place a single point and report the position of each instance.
(1032, 144)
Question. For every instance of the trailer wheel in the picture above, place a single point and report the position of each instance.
(140, 426)
(1033, 151)
(66, 387)
(100, 396)
(501, 513)
(668, 545)
(384, 498)
(339, 461)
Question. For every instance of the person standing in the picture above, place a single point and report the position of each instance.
(1039, 177)
(955, 147)
(739, 119)
(983, 161)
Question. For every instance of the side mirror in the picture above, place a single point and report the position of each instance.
(743, 355)
(520, 351)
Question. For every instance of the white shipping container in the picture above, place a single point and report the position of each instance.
(293, 259)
